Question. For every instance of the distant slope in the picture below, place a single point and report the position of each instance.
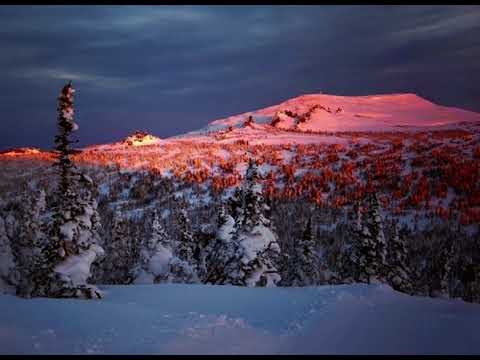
(20, 151)
(202, 319)
(330, 113)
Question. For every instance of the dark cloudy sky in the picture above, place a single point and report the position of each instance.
(171, 69)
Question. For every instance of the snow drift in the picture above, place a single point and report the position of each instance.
(202, 319)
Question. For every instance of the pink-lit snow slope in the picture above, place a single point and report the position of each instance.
(392, 112)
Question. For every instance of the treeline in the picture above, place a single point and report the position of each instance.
(245, 239)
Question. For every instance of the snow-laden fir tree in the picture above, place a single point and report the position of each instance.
(283, 264)
(184, 266)
(436, 267)
(90, 227)
(222, 253)
(376, 227)
(447, 260)
(259, 253)
(187, 245)
(399, 273)
(369, 253)
(254, 206)
(65, 125)
(155, 256)
(73, 243)
(468, 277)
(119, 262)
(345, 267)
(303, 264)
(236, 205)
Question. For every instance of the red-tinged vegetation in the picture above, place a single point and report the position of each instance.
(435, 173)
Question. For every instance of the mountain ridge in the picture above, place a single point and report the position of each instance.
(334, 113)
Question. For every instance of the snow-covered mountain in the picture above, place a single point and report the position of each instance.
(322, 113)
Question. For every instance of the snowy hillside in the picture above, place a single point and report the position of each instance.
(329, 113)
(199, 319)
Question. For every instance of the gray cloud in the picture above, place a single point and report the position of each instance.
(103, 82)
(442, 25)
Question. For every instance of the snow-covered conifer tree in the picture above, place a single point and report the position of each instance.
(74, 240)
(206, 241)
(236, 205)
(155, 256)
(399, 274)
(259, 253)
(223, 251)
(437, 268)
(119, 264)
(447, 257)
(187, 245)
(346, 262)
(225, 225)
(66, 125)
(369, 253)
(344, 267)
(254, 202)
(184, 266)
(303, 264)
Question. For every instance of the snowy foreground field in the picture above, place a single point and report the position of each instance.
(201, 319)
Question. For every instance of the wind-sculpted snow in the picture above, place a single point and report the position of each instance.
(201, 319)
(77, 267)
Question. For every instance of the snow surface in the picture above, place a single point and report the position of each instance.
(203, 319)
